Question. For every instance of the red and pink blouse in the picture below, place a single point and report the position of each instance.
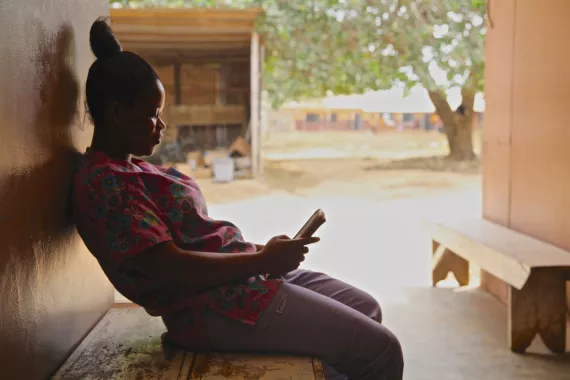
(122, 208)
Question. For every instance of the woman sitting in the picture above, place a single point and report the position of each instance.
(149, 228)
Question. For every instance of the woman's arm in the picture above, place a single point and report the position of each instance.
(168, 264)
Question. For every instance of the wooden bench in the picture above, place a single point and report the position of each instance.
(536, 273)
(126, 344)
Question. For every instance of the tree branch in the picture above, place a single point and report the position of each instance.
(441, 105)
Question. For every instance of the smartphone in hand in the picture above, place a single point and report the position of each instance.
(312, 225)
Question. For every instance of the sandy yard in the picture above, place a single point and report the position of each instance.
(378, 167)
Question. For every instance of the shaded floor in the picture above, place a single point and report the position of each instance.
(449, 335)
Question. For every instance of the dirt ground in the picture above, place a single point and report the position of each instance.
(387, 165)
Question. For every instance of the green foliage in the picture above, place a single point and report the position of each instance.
(314, 47)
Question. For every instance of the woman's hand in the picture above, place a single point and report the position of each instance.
(281, 254)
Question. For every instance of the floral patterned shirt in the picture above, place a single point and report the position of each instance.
(122, 208)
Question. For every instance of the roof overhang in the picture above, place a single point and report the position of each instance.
(185, 34)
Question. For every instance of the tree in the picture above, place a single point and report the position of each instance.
(318, 47)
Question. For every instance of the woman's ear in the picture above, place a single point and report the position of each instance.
(115, 113)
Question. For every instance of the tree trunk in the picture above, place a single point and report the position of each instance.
(460, 138)
(458, 126)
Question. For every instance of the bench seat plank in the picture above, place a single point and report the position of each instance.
(126, 344)
(505, 253)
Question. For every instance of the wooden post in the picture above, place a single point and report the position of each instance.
(254, 114)
(263, 107)
(177, 84)
(539, 308)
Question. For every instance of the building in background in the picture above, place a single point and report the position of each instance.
(210, 62)
(374, 110)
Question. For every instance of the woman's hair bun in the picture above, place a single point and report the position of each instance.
(103, 42)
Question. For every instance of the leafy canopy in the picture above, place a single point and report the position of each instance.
(319, 47)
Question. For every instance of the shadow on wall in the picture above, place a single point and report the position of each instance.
(35, 222)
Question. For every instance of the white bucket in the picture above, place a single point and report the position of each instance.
(223, 169)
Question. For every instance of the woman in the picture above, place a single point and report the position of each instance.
(149, 228)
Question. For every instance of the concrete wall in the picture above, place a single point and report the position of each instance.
(526, 152)
(51, 288)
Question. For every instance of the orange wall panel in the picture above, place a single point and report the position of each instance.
(498, 124)
(540, 195)
(498, 114)
(526, 157)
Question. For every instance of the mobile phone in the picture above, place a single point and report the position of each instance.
(312, 225)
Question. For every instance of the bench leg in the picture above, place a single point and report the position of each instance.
(445, 261)
(539, 308)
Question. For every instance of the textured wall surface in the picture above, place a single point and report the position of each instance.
(52, 290)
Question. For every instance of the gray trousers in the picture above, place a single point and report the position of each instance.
(319, 316)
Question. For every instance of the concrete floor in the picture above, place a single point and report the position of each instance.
(450, 335)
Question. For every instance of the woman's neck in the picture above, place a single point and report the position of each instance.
(107, 144)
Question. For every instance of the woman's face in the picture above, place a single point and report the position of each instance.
(141, 125)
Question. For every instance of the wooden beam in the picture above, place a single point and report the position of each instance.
(189, 59)
(177, 84)
(241, 54)
(167, 27)
(129, 38)
(263, 116)
(197, 14)
(228, 53)
(157, 60)
(178, 22)
(197, 34)
(202, 46)
(254, 96)
(205, 115)
(198, 26)
(207, 87)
